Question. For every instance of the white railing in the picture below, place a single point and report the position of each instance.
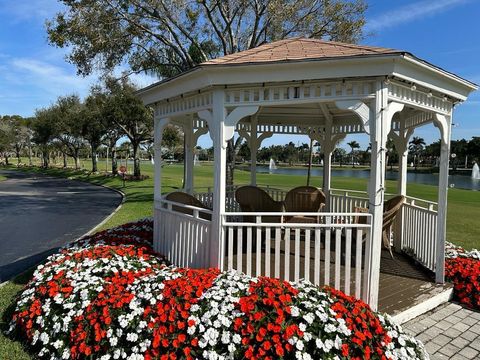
(419, 234)
(182, 233)
(347, 200)
(329, 251)
(415, 227)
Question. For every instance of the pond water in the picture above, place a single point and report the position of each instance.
(457, 181)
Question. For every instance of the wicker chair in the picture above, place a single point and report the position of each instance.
(254, 199)
(187, 199)
(390, 212)
(304, 199)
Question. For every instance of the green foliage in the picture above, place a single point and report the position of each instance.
(169, 37)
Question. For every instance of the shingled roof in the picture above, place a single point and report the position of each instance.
(297, 49)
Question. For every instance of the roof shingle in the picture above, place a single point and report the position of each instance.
(295, 49)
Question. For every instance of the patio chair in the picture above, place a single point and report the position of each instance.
(254, 199)
(390, 212)
(187, 199)
(304, 199)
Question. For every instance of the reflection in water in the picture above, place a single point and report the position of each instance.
(457, 181)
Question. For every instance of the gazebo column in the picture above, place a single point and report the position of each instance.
(328, 141)
(401, 145)
(444, 124)
(254, 142)
(376, 121)
(189, 148)
(221, 129)
(191, 139)
(159, 126)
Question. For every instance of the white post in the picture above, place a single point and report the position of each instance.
(379, 125)
(189, 154)
(159, 125)
(253, 145)
(444, 124)
(217, 128)
(327, 174)
(376, 196)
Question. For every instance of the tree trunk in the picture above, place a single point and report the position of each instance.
(113, 153)
(76, 158)
(136, 160)
(65, 162)
(230, 162)
(310, 158)
(6, 159)
(29, 152)
(45, 159)
(94, 159)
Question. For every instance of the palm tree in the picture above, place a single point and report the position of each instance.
(390, 152)
(353, 145)
(416, 147)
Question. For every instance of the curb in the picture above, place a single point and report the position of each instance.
(92, 230)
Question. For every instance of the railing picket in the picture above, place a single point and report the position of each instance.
(239, 249)
(278, 239)
(297, 254)
(316, 273)
(306, 270)
(327, 255)
(348, 259)
(358, 264)
(249, 250)
(230, 248)
(267, 251)
(287, 254)
(338, 259)
(258, 266)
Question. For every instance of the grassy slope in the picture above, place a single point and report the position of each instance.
(463, 214)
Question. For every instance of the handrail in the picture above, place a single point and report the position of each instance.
(191, 207)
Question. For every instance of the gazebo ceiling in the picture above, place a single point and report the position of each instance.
(300, 60)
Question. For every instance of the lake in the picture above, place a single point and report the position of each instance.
(456, 181)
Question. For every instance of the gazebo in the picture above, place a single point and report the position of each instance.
(325, 90)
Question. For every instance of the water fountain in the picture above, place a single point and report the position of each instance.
(272, 165)
(475, 171)
(195, 160)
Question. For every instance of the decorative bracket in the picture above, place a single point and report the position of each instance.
(159, 126)
(359, 108)
(442, 123)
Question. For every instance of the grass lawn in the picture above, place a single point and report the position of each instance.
(462, 227)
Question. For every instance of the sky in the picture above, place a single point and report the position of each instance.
(444, 32)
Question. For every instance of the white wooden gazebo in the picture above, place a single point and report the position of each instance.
(325, 90)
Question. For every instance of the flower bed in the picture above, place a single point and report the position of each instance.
(109, 296)
(463, 269)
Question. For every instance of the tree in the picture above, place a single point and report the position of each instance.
(170, 37)
(44, 131)
(391, 153)
(415, 147)
(127, 111)
(95, 126)
(70, 121)
(172, 138)
(353, 145)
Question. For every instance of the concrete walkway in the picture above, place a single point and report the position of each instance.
(448, 332)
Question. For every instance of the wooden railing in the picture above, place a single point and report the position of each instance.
(329, 251)
(182, 233)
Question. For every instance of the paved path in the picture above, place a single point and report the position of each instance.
(39, 214)
(449, 332)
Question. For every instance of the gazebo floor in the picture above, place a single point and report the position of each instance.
(403, 284)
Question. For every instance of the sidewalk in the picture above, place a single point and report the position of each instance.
(448, 332)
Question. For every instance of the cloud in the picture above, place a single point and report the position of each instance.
(404, 14)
